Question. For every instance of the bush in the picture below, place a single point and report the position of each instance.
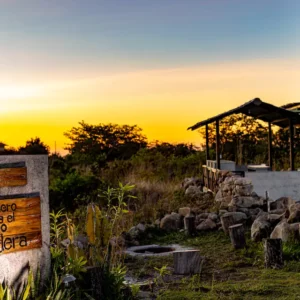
(73, 190)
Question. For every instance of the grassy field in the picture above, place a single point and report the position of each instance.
(226, 273)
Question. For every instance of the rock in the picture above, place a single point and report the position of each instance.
(263, 225)
(261, 228)
(157, 222)
(199, 220)
(219, 196)
(238, 217)
(65, 243)
(294, 211)
(134, 233)
(286, 232)
(242, 181)
(280, 212)
(244, 190)
(281, 231)
(203, 215)
(184, 211)
(117, 241)
(193, 192)
(187, 182)
(141, 227)
(171, 222)
(224, 202)
(213, 216)
(222, 212)
(243, 210)
(246, 201)
(295, 231)
(282, 203)
(208, 197)
(206, 225)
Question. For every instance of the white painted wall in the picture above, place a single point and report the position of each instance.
(278, 184)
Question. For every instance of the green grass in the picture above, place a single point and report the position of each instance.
(226, 274)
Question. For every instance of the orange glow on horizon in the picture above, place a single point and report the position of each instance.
(162, 102)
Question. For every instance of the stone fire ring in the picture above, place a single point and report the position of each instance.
(154, 250)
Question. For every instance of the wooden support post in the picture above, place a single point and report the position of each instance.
(292, 156)
(189, 225)
(270, 147)
(218, 145)
(226, 222)
(237, 236)
(93, 281)
(273, 253)
(187, 262)
(207, 142)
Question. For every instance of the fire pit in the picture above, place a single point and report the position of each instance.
(153, 250)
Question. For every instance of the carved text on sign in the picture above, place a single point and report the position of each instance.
(20, 223)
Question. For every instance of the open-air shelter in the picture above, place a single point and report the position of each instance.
(285, 117)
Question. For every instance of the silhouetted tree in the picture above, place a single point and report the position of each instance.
(104, 142)
(34, 146)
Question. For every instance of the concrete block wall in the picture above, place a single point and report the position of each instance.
(12, 264)
(278, 184)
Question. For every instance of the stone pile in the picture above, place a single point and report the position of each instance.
(237, 204)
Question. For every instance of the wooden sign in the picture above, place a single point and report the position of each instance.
(20, 223)
(13, 174)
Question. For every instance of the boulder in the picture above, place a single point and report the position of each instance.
(157, 222)
(134, 233)
(206, 225)
(282, 231)
(213, 216)
(118, 241)
(286, 232)
(279, 211)
(187, 182)
(141, 227)
(263, 225)
(261, 228)
(171, 222)
(246, 201)
(203, 216)
(295, 231)
(242, 181)
(222, 212)
(224, 202)
(208, 196)
(237, 218)
(282, 203)
(194, 192)
(294, 211)
(219, 196)
(243, 190)
(184, 211)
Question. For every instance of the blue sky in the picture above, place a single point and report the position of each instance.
(146, 34)
(161, 64)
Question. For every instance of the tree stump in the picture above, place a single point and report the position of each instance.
(187, 262)
(226, 222)
(189, 225)
(237, 236)
(273, 253)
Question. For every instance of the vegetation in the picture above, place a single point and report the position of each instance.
(226, 273)
(86, 197)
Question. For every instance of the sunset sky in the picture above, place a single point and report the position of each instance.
(161, 64)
